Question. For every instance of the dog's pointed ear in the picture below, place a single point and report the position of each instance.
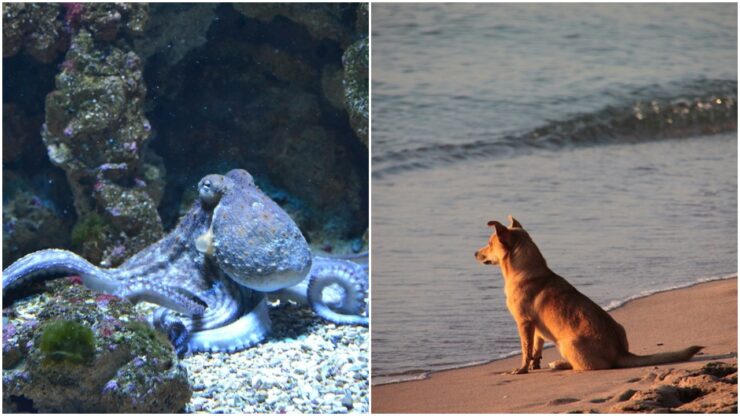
(503, 233)
(514, 223)
(500, 229)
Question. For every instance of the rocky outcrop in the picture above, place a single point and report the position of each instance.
(87, 352)
(96, 131)
(356, 87)
(25, 217)
(35, 29)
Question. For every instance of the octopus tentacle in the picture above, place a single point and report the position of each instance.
(54, 262)
(351, 277)
(225, 300)
(173, 327)
(175, 298)
(246, 331)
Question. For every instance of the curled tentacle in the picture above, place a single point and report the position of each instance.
(353, 281)
(242, 331)
(56, 262)
(248, 330)
(174, 328)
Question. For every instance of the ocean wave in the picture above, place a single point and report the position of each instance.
(695, 108)
(413, 375)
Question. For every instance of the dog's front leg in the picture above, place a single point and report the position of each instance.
(526, 335)
(537, 354)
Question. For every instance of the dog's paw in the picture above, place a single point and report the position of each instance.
(560, 365)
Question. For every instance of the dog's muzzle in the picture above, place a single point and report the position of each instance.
(478, 257)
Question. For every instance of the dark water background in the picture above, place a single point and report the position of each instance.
(609, 131)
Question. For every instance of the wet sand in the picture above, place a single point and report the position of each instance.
(705, 314)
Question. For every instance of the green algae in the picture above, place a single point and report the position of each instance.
(88, 228)
(67, 341)
(144, 337)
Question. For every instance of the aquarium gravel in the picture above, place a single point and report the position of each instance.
(306, 365)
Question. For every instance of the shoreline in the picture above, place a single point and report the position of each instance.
(418, 375)
(711, 306)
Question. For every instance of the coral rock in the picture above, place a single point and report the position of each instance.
(27, 217)
(355, 61)
(132, 368)
(34, 28)
(96, 130)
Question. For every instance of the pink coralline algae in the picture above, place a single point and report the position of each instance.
(75, 280)
(106, 331)
(109, 326)
(74, 11)
(104, 299)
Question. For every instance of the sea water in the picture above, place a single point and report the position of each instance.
(608, 131)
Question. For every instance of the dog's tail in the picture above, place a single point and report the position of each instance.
(632, 360)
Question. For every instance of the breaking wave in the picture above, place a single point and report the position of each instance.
(701, 107)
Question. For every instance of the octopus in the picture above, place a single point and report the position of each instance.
(213, 273)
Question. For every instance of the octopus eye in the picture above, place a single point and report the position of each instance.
(207, 184)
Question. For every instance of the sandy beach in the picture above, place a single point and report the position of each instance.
(704, 314)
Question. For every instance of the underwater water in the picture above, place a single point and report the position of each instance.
(608, 131)
(113, 115)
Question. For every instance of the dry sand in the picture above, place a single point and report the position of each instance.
(705, 314)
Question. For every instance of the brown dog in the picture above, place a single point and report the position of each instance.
(546, 307)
